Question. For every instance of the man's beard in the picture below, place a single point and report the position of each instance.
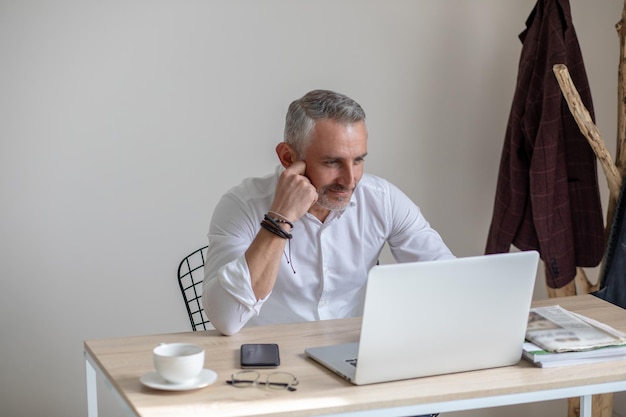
(334, 203)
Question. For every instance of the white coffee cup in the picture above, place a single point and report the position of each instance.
(178, 362)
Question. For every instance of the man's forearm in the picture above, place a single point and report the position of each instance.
(263, 258)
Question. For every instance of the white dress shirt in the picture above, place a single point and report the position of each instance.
(331, 260)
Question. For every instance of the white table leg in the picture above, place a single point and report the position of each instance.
(585, 405)
(92, 390)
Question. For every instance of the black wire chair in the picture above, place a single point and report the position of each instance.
(190, 277)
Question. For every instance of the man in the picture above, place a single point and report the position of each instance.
(297, 244)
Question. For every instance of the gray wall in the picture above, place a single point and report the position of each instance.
(122, 122)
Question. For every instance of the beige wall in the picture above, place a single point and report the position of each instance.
(122, 122)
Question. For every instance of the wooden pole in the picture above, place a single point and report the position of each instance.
(591, 132)
(581, 283)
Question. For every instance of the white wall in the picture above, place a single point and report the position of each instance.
(122, 122)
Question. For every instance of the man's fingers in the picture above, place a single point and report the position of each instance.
(298, 167)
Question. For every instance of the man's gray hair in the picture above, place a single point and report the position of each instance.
(318, 105)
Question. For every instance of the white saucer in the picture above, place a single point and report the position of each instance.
(154, 380)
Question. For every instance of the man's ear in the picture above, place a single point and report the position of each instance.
(286, 154)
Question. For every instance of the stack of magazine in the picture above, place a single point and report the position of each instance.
(558, 337)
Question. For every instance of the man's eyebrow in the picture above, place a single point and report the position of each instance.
(336, 157)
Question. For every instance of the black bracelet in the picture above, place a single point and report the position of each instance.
(275, 223)
(272, 226)
(277, 231)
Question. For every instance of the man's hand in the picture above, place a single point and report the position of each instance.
(295, 194)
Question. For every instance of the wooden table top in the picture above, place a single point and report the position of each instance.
(125, 360)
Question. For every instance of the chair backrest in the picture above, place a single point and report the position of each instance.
(190, 277)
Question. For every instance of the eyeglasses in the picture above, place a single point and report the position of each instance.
(275, 380)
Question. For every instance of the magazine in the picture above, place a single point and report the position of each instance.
(555, 329)
(558, 337)
(543, 358)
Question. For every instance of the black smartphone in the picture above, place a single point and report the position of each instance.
(259, 355)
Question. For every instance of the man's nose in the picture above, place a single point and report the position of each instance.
(347, 176)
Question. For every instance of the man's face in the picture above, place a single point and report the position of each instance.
(334, 161)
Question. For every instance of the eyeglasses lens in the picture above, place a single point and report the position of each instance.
(245, 379)
(281, 380)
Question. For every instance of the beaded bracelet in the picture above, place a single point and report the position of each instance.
(282, 218)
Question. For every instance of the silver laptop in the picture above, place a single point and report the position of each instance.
(438, 317)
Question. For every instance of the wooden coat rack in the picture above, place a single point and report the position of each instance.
(602, 404)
